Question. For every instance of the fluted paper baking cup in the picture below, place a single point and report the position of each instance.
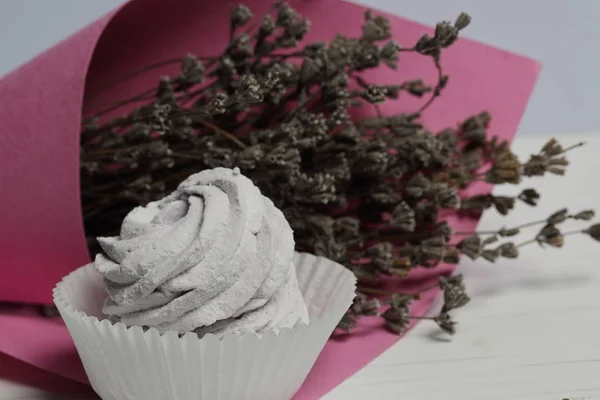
(132, 364)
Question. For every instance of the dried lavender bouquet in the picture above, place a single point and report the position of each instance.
(366, 193)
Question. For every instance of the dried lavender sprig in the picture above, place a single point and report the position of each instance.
(334, 178)
(555, 218)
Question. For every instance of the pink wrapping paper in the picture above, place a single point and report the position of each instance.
(42, 236)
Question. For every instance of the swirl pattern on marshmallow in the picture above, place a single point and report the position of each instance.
(215, 256)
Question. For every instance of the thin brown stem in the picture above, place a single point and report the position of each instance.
(437, 89)
(575, 232)
(563, 234)
(188, 156)
(136, 72)
(522, 226)
(576, 145)
(146, 95)
(222, 132)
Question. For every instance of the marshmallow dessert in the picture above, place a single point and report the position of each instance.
(202, 296)
(213, 257)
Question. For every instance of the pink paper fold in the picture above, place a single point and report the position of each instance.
(42, 236)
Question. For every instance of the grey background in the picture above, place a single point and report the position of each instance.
(563, 34)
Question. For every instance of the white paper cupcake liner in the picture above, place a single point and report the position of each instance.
(130, 364)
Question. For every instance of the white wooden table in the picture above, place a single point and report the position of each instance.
(532, 330)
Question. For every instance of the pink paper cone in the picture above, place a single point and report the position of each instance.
(42, 237)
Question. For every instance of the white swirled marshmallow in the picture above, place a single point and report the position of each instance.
(214, 256)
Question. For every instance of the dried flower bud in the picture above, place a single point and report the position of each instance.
(310, 69)
(217, 104)
(507, 232)
(471, 247)
(506, 169)
(423, 150)
(366, 56)
(585, 215)
(376, 28)
(397, 319)
(449, 281)
(366, 274)
(192, 70)
(444, 196)
(339, 116)
(446, 323)
(471, 160)
(426, 212)
(462, 21)
(329, 248)
(383, 195)
(445, 34)
(474, 128)
(401, 301)
(374, 94)
(452, 256)
(454, 292)
(286, 15)
(560, 161)
(364, 306)
(551, 235)
(490, 240)
(477, 122)
(503, 204)
(444, 230)
(552, 148)
(397, 327)
(490, 255)
(159, 119)
(431, 251)
(240, 46)
(403, 217)
(477, 203)
(347, 229)
(558, 217)
(508, 250)
(594, 232)
(529, 196)
(226, 70)
(374, 161)
(427, 46)
(347, 323)
(250, 89)
(381, 255)
(442, 83)
(165, 91)
(416, 87)
(267, 26)
(389, 54)
(315, 189)
(240, 15)
(537, 165)
(249, 157)
(556, 171)
(417, 186)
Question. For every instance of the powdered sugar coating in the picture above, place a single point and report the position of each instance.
(214, 256)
